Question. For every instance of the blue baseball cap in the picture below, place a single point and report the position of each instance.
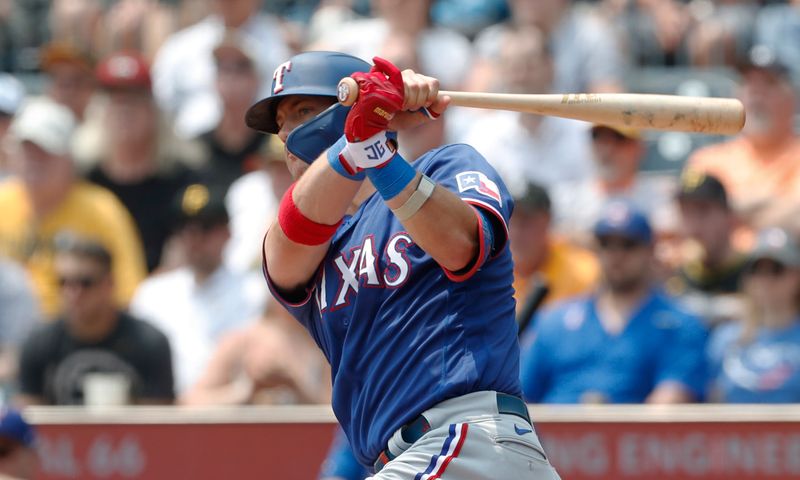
(14, 427)
(620, 218)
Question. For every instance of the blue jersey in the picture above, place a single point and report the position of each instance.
(400, 332)
(765, 369)
(340, 462)
(568, 357)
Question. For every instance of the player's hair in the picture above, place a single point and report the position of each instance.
(68, 243)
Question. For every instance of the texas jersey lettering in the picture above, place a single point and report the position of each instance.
(393, 328)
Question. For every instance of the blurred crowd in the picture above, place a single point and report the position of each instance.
(650, 267)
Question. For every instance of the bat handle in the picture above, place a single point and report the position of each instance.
(347, 91)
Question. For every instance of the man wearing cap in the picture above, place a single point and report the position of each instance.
(44, 198)
(542, 260)
(627, 342)
(195, 305)
(18, 460)
(711, 268)
(92, 335)
(756, 359)
(617, 153)
(137, 158)
(760, 167)
(69, 76)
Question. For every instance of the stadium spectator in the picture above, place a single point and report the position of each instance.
(723, 32)
(45, 198)
(135, 155)
(710, 269)
(526, 148)
(271, 361)
(69, 76)
(759, 168)
(340, 462)
(540, 259)
(138, 25)
(617, 153)
(587, 56)
(19, 314)
(250, 199)
(12, 94)
(232, 147)
(92, 335)
(183, 69)
(198, 303)
(757, 359)
(778, 29)
(653, 32)
(18, 459)
(400, 31)
(626, 343)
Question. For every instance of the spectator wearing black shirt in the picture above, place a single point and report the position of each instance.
(92, 336)
(138, 161)
(232, 147)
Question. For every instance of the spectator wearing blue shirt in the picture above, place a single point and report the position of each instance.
(627, 342)
(757, 359)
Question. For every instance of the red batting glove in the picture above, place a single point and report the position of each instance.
(380, 97)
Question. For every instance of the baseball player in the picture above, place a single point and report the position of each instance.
(401, 274)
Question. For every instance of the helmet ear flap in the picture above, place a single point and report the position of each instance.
(310, 140)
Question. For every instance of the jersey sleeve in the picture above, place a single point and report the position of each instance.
(683, 360)
(464, 171)
(299, 308)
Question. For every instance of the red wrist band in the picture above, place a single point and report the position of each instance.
(299, 228)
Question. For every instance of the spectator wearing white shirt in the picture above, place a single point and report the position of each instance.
(195, 305)
(528, 148)
(183, 69)
(250, 200)
(587, 54)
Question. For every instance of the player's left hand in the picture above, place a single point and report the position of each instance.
(380, 97)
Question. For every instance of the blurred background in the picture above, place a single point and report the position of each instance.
(133, 202)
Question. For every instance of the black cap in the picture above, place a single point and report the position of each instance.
(697, 185)
(763, 58)
(201, 204)
(534, 198)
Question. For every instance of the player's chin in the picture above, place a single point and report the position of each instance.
(296, 166)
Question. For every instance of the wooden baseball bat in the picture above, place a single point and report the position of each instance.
(635, 110)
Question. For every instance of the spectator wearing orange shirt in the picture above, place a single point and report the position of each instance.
(760, 167)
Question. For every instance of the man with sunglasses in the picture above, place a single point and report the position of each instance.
(626, 343)
(92, 335)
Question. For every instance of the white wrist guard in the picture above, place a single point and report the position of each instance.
(372, 152)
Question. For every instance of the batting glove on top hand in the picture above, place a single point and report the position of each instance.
(380, 97)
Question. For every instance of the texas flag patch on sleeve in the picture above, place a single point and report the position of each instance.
(480, 182)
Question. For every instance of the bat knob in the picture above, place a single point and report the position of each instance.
(347, 91)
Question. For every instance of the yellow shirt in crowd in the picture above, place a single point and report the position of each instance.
(568, 271)
(89, 211)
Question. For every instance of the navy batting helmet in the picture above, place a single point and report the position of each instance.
(308, 73)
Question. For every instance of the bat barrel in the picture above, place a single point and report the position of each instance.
(645, 111)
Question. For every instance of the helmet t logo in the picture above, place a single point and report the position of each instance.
(277, 77)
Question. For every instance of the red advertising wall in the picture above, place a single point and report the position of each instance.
(266, 448)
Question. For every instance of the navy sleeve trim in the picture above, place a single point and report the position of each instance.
(501, 238)
(274, 288)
